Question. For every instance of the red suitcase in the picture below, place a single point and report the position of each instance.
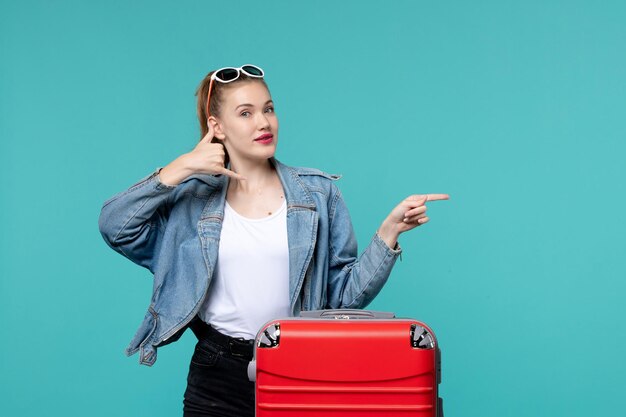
(333, 363)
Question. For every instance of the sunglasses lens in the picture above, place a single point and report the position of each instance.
(252, 70)
(227, 74)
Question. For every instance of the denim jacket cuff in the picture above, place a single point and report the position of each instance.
(395, 251)
(157, 179)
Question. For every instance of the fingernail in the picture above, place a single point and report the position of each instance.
(406, 219)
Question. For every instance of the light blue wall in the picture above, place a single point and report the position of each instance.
(516, 109)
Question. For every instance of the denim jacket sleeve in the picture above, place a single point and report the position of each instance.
(130, 221)
(354, 282)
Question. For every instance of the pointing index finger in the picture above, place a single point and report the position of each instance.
(434, 197)
(422, 198)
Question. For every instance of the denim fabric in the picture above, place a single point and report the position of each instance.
(174, 231)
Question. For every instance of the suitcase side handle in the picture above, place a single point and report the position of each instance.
(346, 313)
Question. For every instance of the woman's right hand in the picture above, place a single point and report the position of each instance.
(205, 158)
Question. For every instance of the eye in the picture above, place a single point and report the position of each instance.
(245, 113)
(270, 108)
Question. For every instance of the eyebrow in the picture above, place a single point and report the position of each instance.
(251, 105)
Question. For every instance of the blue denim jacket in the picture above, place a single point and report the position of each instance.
(174, 231)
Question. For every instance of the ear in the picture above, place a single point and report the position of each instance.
(217, 128)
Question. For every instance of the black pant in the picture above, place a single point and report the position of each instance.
(218, 384)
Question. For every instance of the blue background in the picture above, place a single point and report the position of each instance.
(515, 108)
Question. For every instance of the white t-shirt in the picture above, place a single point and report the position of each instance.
(251, 281)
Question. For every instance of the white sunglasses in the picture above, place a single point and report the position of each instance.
(229, 74)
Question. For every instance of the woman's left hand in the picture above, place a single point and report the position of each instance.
(407, 215)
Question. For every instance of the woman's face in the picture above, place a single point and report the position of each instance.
(247, 123)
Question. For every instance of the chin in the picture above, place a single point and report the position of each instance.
(263, 156)
(270, 151)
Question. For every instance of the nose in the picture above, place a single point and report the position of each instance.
(262, 122)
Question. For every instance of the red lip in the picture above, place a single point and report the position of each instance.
(265, 136)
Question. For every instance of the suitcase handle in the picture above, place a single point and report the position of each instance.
(347, 313)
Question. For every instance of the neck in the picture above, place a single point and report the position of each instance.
(258, 174)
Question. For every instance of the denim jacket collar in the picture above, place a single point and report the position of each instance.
(302, 222)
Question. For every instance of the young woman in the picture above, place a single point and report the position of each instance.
(235, 238)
